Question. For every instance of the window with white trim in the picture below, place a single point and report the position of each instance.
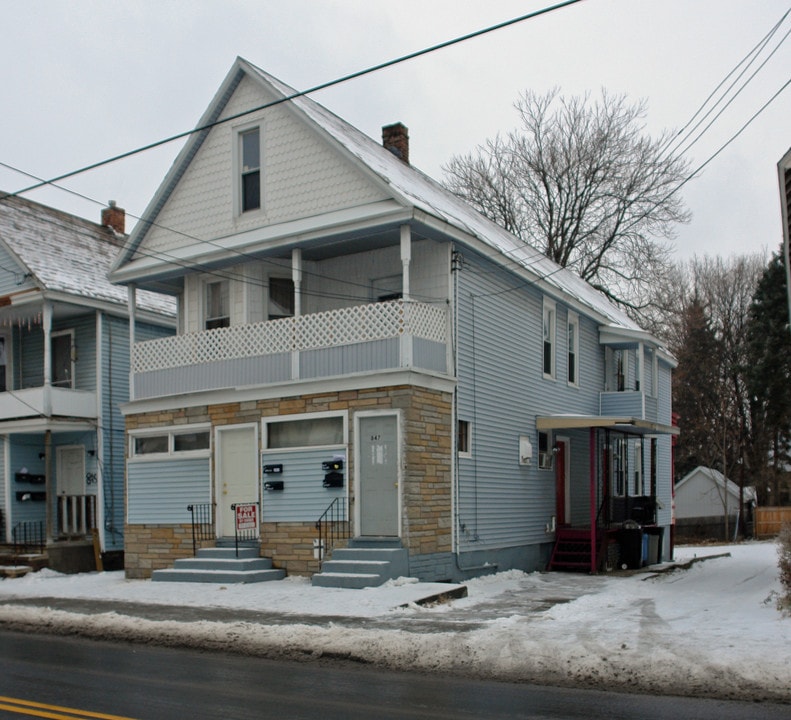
(464, 438)
(165, 442)
(548, 356)
(250, 169)
(217, 304)
(311, 430)
(573, 347)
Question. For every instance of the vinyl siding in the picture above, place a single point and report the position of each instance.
(501, 391)
(301, 176)
(303, 498)
(158, 492)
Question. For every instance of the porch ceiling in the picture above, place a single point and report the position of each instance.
(629, 425)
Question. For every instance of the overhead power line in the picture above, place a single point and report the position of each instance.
(301, 93)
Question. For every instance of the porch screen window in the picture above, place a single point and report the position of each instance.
(619, 466)
(218, 304)
(305, 433)
(281, 298)
(549, 340)
(250, 170)
(62, 369)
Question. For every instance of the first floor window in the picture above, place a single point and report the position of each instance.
(463, 438)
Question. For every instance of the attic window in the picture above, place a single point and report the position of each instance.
(250, 153)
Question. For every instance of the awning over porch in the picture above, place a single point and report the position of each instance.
(629, 425)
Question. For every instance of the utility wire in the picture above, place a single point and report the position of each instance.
(293, 96)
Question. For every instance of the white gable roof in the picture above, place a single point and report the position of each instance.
(409, 186)
(62, 253)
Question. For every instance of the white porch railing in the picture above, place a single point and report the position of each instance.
(76, 515)
(332, 328)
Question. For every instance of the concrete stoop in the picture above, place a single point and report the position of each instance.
(366, 562)
(221, 565)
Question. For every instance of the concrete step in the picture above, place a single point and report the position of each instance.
(369, 567)
(221, 563)
(365, 564)
(229, 552)
(217, 576)
(352, 581)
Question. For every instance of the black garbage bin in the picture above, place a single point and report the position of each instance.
(630, 541)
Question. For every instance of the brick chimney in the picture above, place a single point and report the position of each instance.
(395, 138)
(114, 217)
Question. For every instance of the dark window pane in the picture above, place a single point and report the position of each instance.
(251, 191)
(191, 441)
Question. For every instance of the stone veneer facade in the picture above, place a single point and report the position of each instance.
(426, 504)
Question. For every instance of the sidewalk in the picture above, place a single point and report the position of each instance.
(711, 629)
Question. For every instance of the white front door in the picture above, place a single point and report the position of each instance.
(70, 469)
(378, 474)
(236, 473)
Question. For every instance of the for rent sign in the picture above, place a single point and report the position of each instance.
(246, 516)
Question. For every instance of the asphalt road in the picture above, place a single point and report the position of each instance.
(68, 678)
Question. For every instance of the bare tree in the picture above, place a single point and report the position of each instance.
(582, 182)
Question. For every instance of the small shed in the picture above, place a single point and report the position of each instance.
(703, 497)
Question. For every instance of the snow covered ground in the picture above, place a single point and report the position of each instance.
(710, 629)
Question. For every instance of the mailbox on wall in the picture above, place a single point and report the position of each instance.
(272, 485)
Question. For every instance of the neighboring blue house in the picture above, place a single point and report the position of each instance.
(354, 340)
(64, 369)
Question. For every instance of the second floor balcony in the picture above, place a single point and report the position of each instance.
(47, 401)
(358, 339)
(629, 403)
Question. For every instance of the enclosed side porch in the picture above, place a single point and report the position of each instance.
(51, 493)
(613, 493)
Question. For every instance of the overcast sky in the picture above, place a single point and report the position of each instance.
(86, 80)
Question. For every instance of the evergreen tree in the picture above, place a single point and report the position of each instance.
(696, 395)
(769, 381)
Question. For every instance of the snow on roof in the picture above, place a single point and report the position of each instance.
(424, 193)
(717, 478)
(68, 254)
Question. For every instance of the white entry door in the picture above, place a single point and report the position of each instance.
(70, 469)
(378, 475)
(236, 473)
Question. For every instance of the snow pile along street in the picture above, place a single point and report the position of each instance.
(710, 629)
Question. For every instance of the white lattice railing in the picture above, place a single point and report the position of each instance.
(332, 328)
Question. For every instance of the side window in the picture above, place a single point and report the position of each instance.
(464, 438)
(573, 338)
(549, 339)
(250, 169)
(217, 304)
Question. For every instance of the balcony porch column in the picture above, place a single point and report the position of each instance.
(296, 277)
(406, 259)
(47, 327)
(131, 295)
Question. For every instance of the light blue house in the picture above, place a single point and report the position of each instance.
(361, 354)
(64, 370)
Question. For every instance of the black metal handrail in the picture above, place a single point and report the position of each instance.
(29, 535)
(332, 526)
(246, 533)
(202, 515)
